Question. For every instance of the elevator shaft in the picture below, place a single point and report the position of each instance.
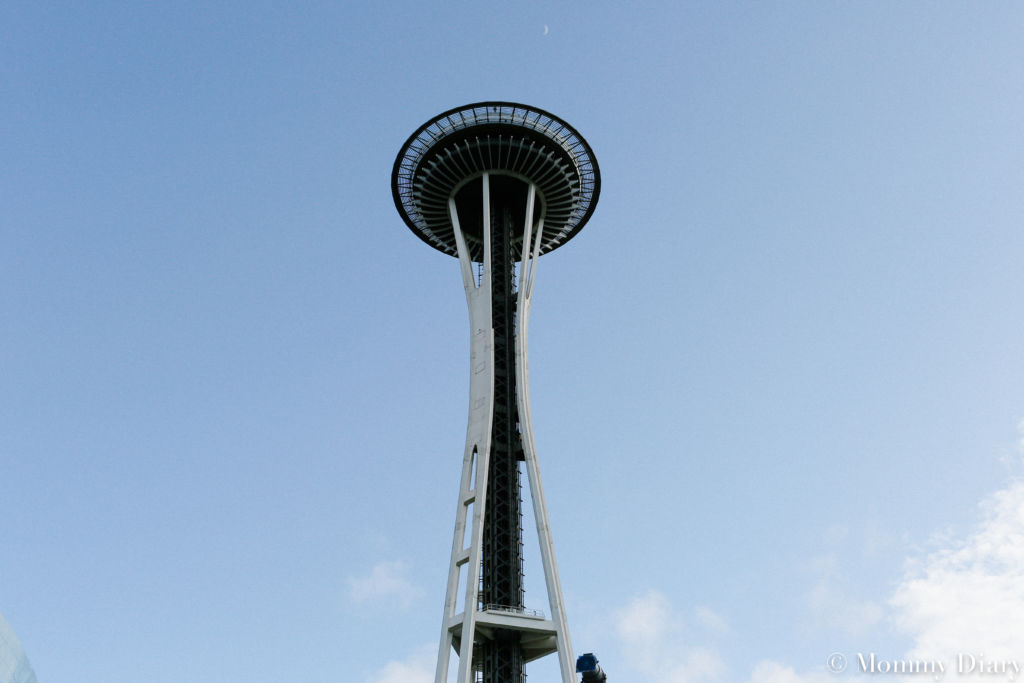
(502, 558)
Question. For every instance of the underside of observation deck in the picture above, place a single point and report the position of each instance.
(458, 146)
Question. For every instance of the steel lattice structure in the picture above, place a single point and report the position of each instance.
(497, 184)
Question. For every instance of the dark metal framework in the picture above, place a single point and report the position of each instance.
(501, 572)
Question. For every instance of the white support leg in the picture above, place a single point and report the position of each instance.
(472, 490)
(528, 271)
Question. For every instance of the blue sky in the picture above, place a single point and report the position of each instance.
(777, 381)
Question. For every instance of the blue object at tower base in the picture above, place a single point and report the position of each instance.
(587, 665)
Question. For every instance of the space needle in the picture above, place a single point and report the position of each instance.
(496, 185)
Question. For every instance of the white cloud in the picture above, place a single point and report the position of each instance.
(386, 580)
(659, 648)
(768, 671)
(1013, 458)
(656, 644)
(833, 605)
(711, 621)
(418, 668)
(968, 596)
(645, 618)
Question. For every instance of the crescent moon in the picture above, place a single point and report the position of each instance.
(545, 29)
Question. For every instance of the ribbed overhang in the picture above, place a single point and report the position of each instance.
(501, 138)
